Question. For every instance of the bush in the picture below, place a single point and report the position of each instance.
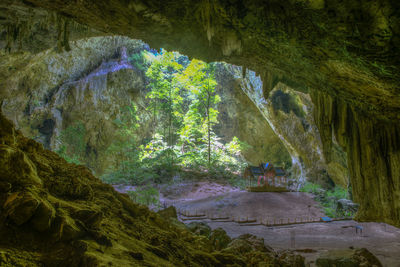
(328, 199)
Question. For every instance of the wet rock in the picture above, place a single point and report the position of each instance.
(348, 258)
(199, 228)
(168, 213)
(20, 207)
(43, 217)
(219, 238)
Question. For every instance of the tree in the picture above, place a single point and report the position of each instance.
(166, 95)
(199, 79)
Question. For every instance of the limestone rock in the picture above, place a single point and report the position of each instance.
(239, 117)
(14, 161)
(20, 207)
(199, 228)
(219, 238)
(247, 243)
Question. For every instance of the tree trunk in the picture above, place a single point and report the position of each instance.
(209, 123)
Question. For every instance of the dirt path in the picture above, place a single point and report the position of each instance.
(259, 206)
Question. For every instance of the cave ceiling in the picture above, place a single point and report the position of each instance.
(349, 49)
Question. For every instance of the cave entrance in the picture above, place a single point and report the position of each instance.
(143, 118)
(170, 131)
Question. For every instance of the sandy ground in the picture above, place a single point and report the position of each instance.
(217, 201)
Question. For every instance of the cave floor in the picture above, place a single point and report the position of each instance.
(221, 201)
(381, 239)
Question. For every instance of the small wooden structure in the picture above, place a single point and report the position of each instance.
(275, 178)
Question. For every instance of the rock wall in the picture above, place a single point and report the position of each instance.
(290, 114)
(373, 154)
(239, 117)
(89, 85)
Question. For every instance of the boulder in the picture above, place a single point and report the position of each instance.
(20, 207)
(348, 258)
(247, 243)
(219, 238)
(199, 228)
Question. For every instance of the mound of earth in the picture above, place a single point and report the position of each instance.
(58, 214)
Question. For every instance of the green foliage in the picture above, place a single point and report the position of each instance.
(72, 145)
(337, 193)
(328, 199)
(141, 60)
(183, 102)
(145, 195)
(310, 188)
(199, 78)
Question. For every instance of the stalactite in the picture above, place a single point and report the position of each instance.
(373, 154)
(207, 15)
(63, 34)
